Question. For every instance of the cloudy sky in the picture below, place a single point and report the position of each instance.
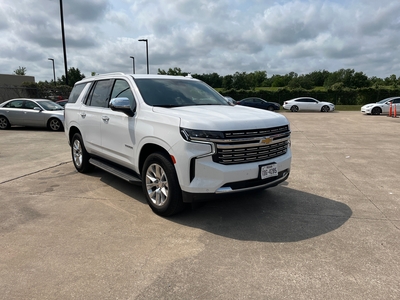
(201, 36)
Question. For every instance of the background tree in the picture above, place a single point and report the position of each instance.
(74, 75)
(240, 81)
(227, 82)
(175, 72)
(20, 71)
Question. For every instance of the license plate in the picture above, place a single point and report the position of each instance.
(269, 171)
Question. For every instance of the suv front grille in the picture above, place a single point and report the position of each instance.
(252, 145)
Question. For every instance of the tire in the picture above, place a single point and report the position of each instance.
(160, 185)
(80, 157)
(4, 123)
(325, 108)
(55, 124)
(294, 108)
(376, 111)
(271, 108)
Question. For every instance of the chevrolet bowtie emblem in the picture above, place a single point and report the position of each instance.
(266, 141)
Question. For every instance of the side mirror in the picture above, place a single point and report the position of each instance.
(123, 105)
(37, 108)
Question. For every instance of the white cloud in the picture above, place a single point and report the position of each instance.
(202, 36)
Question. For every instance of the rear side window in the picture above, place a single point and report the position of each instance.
(76, 91)
(15, 104)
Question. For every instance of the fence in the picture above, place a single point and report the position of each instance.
(11, 92)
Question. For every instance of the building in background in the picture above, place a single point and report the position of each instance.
(11, 86)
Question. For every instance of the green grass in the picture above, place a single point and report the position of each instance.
(348, 107)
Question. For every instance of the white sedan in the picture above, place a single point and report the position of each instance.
(307, 103)
(381, 107)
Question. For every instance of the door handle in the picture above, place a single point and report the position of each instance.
(105, 118)
(83, 114)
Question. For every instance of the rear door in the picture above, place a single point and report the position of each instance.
(14, 112)
(91, 113)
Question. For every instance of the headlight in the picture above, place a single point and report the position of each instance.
(201, 135)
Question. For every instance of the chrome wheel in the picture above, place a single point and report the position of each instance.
(77, 153)
(160, 184)
(294, 108)
(80, 157)
(157, 184)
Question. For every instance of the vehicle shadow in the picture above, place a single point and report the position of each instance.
(277, 215)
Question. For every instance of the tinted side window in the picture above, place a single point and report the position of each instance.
(15, 104)
(76, 91)
(30, 104)
(122, 89)
(100, 94)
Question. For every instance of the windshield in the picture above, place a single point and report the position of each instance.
(384, 100)
(49, 105)
(177, 92)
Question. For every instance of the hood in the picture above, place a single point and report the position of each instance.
(223, 117)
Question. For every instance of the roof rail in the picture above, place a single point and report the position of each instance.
(112, 73)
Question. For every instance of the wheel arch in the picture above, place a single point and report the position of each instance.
(148, 149)
(72, 131)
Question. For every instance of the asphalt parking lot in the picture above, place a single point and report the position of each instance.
(330, 232)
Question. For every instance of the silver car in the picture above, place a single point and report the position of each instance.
(31, 112)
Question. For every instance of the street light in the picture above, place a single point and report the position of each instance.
(63, 41)
(54, 70)
(133, 64)
(147, 52)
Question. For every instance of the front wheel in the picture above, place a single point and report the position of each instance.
(161, 186)
(270, 108)
(325, 108)
(376, 111)
(4, 123)
(294, 108)
(80, 157)
(55, 124)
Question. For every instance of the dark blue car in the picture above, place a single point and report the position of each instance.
(259, 103)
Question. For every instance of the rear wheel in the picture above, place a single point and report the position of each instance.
(80, 157)
(4, 124)
(161, 186)
(376, 111)
(294, 108)
(55, 124)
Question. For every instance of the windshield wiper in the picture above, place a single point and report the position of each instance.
(167, 105)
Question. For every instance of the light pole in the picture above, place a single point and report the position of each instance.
(133, 64)
(147, 52)
(63, 42)
(54, 70)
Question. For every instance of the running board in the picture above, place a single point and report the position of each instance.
(115, 171)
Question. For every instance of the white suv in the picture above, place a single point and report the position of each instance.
(176, 136)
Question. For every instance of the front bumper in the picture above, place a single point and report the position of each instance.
(201, 177)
